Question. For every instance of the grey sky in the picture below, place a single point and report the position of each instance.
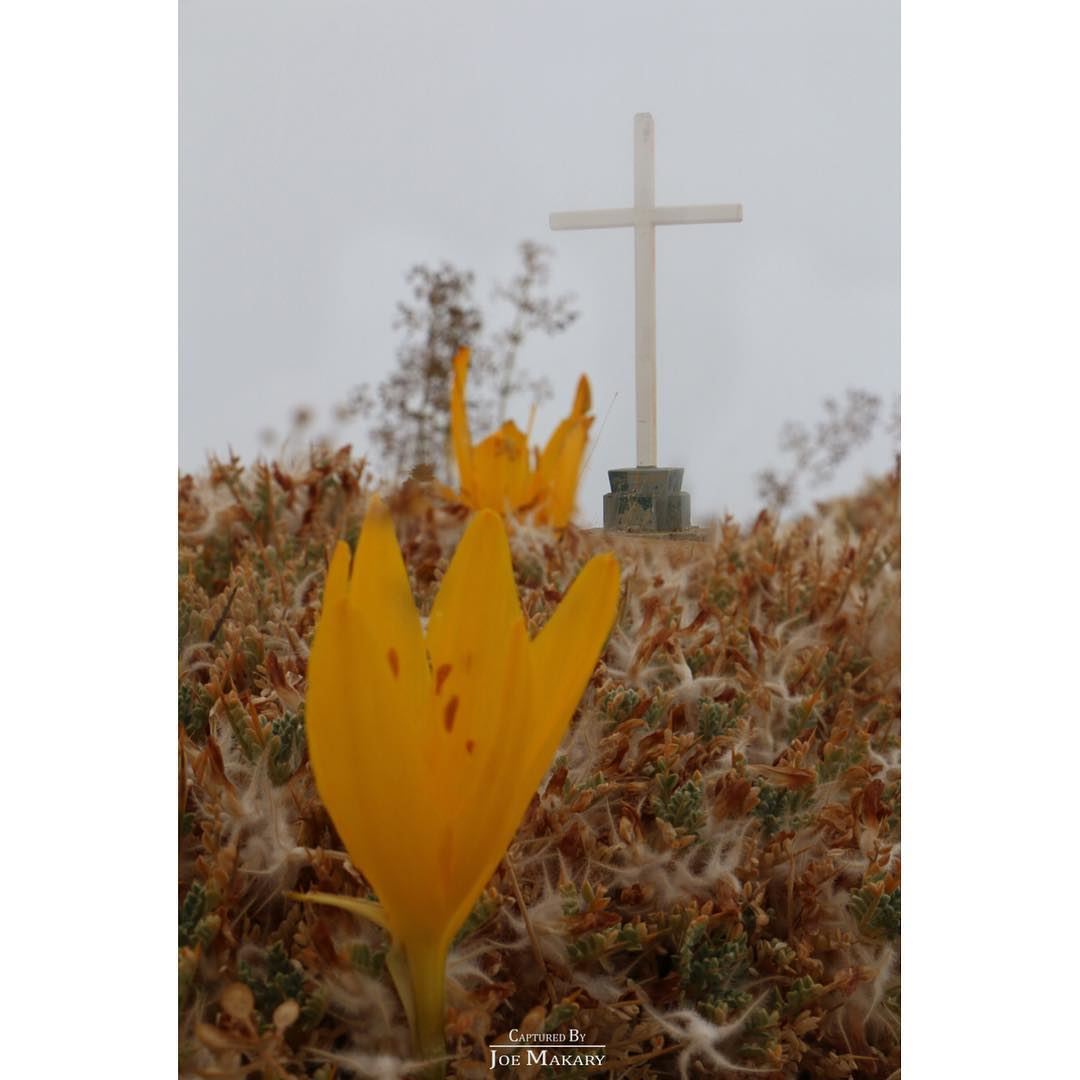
(327, 147)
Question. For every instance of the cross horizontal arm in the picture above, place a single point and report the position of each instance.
(592, 219)
(697, 215)
(718, 213)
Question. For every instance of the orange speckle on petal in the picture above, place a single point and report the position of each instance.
(441, 675)
(450, 712)
(393, 658)
(470, 746)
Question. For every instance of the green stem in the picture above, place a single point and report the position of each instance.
(427, 969)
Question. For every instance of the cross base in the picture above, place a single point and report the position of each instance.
(646, 500)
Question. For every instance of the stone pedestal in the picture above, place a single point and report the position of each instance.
(646, 500)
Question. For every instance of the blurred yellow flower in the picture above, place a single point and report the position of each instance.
(427, 745)
(496, 473)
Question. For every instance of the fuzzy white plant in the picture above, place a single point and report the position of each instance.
(702, 1040)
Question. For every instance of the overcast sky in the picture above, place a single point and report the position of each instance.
(326, 147)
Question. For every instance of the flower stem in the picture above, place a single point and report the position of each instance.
(427, 968)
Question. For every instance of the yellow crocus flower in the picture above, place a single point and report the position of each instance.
(496, 473)
(427, 745)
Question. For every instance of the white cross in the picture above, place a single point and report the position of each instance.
(644, 215)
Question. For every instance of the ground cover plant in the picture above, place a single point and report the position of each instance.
(707, 880)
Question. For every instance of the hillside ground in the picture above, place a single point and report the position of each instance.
(707, 881)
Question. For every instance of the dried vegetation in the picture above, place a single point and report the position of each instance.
(708, 880)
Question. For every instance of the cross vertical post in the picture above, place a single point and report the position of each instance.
(646, 498)
(645, 288)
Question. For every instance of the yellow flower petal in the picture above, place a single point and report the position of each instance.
(516, 471)
(379, 591)
(476, 601)
(368, 708)
(583, 397)
(564, 654)
(502, 477)
(562, 472)
(497, 472)
(337, 576)
(330, 718)
(560, 462)
(491, 792)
